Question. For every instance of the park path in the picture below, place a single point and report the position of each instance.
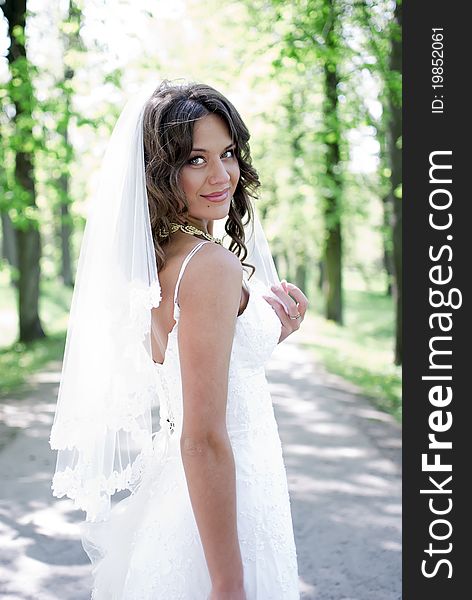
(343, 460)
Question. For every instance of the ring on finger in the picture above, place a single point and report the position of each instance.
(299, 316)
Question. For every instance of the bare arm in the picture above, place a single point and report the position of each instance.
(209, 300)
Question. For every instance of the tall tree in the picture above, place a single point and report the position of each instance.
(384, 42)
(387, 234)
(332, 251)
(26, 223)
(395, 133)
(72, 42)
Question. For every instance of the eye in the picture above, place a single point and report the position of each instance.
(195, 158)
(190, 161)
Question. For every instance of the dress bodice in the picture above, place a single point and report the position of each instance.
(257, 332)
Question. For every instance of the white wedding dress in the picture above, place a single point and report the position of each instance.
(150, 548)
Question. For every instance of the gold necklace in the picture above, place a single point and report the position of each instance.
(191, 230)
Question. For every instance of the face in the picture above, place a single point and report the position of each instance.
(211, 174)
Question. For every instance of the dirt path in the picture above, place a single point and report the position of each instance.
(343, 465)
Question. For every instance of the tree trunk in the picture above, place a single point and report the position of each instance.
(29, 254)
(333, 279)
(9, 241)
(71, 41)
(28, 237)
(66, 230)
(383, 139)
(332, 201)
(321, 275)
(299, 254)
(387, 252)
(300, 275)
(29, 251)
(395, 132)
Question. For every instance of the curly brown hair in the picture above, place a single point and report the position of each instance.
(168, 122)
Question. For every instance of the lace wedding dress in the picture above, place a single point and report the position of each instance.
(150, 548)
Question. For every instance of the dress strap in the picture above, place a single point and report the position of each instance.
(193, 251)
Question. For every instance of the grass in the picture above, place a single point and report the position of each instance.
(19, 360)
(361, 351)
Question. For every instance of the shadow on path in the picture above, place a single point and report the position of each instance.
(343, 461)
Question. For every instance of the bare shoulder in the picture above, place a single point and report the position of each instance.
(213, 270)
(214, 260)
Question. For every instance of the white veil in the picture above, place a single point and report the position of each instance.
(102, 428)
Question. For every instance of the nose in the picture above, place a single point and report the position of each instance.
(219, 173)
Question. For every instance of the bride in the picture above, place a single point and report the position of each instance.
(165, 314)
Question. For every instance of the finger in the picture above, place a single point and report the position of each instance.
(288, 302)
(297, 292)
(299, 297)
(281, 293)
(280, 311)
(288, 325)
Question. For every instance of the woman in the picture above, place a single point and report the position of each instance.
(210, 514)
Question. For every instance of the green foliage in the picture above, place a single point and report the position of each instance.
(54, 305)
(19, 137)
(20, 360)
(39, 116)
(323, 52)
(304, 43)
(273, 63)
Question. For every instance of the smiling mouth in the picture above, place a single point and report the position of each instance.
(217, 196)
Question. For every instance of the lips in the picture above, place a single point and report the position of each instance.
(217, 196)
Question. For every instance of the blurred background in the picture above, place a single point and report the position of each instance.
(318, 82)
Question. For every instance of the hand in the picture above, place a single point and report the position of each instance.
(292, 302)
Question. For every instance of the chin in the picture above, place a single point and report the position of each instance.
(214, 213)
(221, 213)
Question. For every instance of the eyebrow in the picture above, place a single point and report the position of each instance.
(203, 149)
